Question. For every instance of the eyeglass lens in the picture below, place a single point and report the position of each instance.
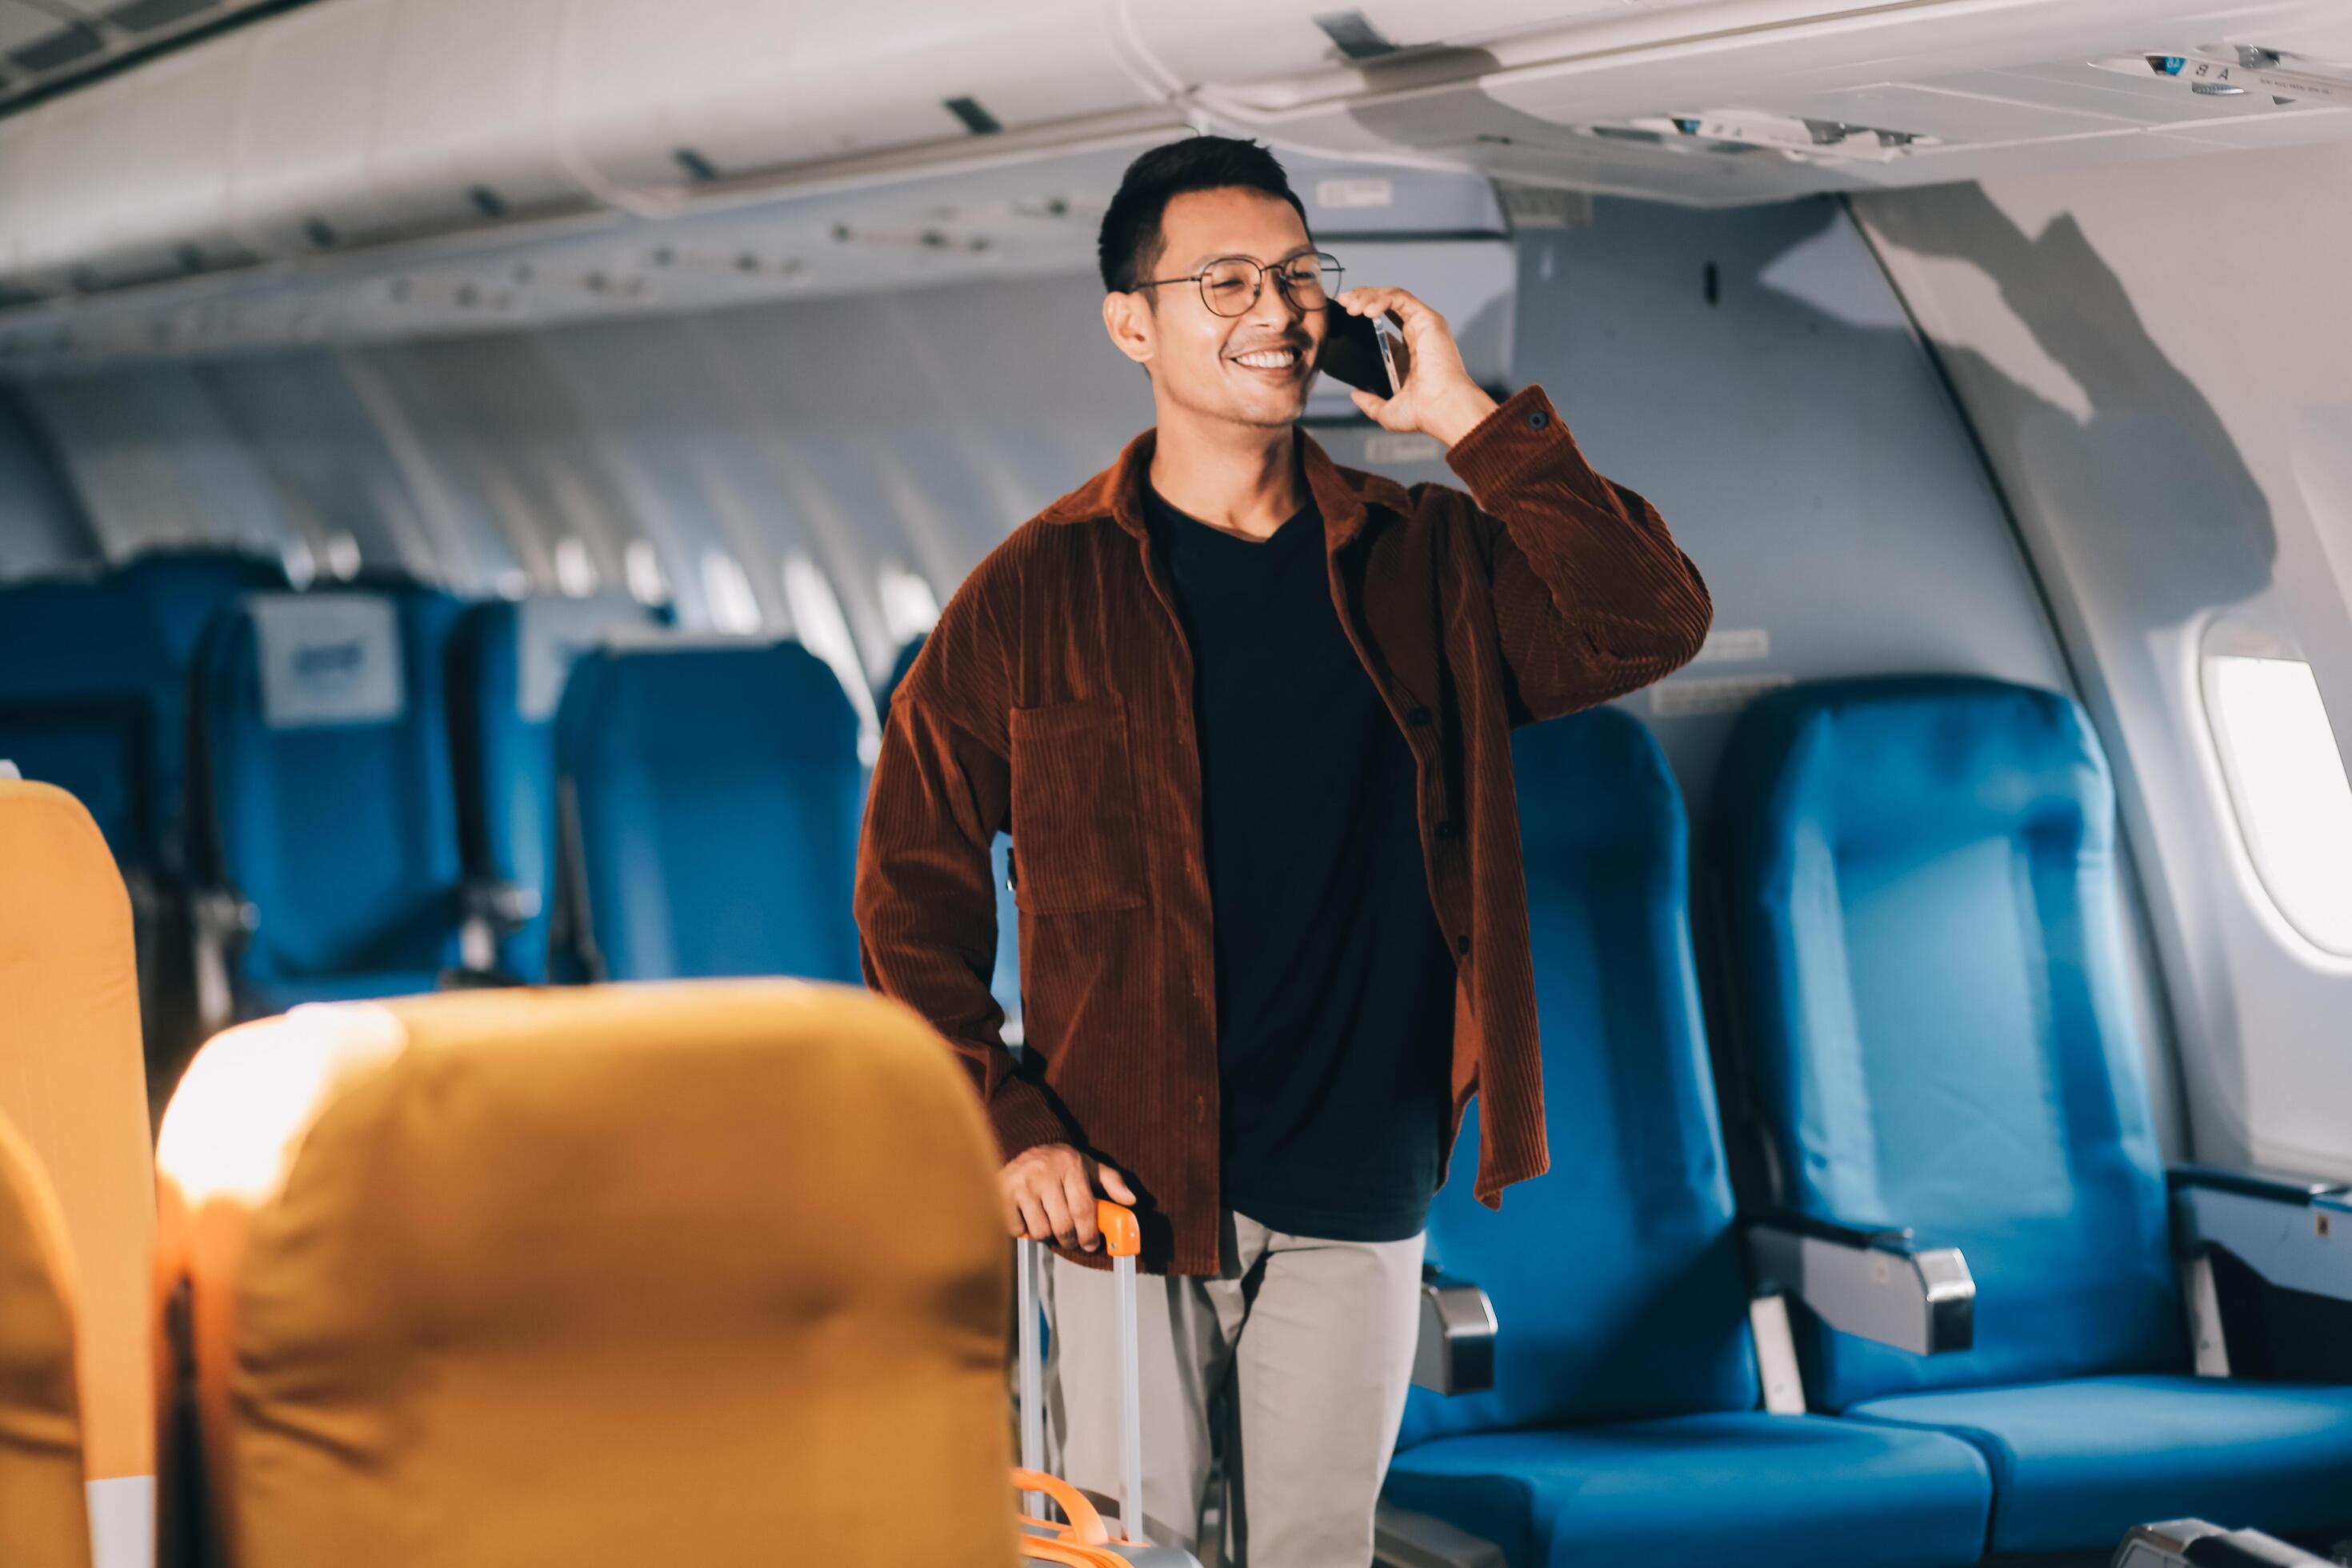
(1230, 287)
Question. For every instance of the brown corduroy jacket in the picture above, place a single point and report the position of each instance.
(1055, 701)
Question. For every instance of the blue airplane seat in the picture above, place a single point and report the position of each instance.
(326, 792)
(1622, 1424)
(1004, 982)
(1922, 914)
(81, 674)
(508, 663)
(709, 794)
(899, 668)
(180, 590)
(183, 589)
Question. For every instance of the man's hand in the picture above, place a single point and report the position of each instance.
(1435, 395)
(1049, 1195)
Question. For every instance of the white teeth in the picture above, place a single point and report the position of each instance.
(1268, 359)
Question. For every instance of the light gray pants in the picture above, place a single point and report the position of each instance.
(1299, 1353)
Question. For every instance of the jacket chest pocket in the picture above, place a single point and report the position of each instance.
(1075, 836)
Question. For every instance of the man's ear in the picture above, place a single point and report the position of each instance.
(1133, 331)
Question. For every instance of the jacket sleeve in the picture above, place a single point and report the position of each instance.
(926, 899)
(1592, 598)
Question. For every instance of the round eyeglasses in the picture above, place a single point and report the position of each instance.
(1231, 285)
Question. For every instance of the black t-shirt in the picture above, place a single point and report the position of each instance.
(1335, 990)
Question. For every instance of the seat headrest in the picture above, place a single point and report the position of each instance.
(672, 689)
(73, 1080)
(549, 636)
(328, 659)
(1910, 758)
(598, 1275)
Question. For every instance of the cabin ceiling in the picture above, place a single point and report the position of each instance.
(46, 46)
(511, 161)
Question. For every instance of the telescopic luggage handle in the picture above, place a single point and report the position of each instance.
(1123, 1239)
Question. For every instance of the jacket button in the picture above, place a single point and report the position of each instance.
(1538, 419)
(1462, 945)
(1418, 716)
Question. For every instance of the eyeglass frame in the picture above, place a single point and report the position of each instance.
(1257, 290)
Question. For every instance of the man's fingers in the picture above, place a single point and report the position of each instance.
(1056, 1205)
(1371, 404)
(1114, 1185)
(1407, 306)
(1034, 1225)
(1080, 1195)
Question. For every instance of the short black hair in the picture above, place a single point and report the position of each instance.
(1129, 243)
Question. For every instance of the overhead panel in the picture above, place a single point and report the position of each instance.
(20, 24)
(48, 47)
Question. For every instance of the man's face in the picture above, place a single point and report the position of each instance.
(1250, 369)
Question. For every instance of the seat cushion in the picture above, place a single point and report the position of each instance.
(1692, 1491)
(2078, 1463)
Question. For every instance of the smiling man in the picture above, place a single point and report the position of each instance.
(1247, 716)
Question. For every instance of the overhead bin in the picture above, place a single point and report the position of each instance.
(373, 118)
(154, 167)
(465, 125)
(53, 209)
(1296, 50)
(297, 176)
(695, 91)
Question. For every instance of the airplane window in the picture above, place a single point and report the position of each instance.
(909, 606)
(640, 564)
(575, 573)
(2286, 783)
(727, 594)
(824, 630)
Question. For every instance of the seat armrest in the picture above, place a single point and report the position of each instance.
(505, 907)
(2281, 1186)
(221, 922)
(2295, 1232)
(1878, 1284)
(1455, 1354)
(2193, 1543)
(493, 910)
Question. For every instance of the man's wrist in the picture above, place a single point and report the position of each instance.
(1458, 413)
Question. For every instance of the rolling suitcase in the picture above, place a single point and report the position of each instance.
(1084, 1542)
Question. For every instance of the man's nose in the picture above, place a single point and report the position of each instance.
(1273, 305)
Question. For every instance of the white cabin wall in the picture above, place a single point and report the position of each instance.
(42, 529)
(1798, 440)
(2154, 356)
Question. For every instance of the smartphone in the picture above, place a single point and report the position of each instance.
(1356, 351)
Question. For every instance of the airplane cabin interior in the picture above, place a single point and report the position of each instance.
(475, 476)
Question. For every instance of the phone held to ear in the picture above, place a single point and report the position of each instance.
(1356, 352)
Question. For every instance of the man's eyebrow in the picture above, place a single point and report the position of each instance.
(1293, 254)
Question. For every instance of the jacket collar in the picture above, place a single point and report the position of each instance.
(1342, 495)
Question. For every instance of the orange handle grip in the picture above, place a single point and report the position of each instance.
(1086, 1524)
(1036, 1549)
(1123, 1238)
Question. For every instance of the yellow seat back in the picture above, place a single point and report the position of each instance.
(43, 1518)
(703, 1273)
(73, 1082)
